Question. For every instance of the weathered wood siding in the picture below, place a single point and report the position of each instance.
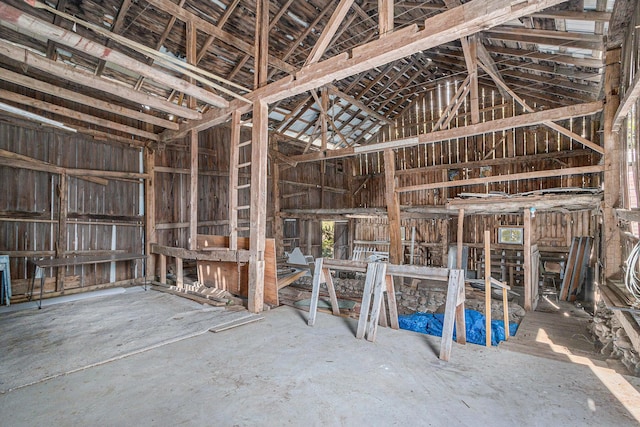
(100, 217)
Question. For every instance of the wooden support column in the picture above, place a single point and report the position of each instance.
(278, 232)
(396, 253)
(487, 286)
(150, 212)
(258, 217)
(612, 166)
(261, 44)
(461, 328)
(193, 144)
(444, 241)
(61, 242)
(193, 192)
(385, 17)
(528, 285)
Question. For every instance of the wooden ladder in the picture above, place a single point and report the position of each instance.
(238, 147)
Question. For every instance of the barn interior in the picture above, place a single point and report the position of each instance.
(285, 175)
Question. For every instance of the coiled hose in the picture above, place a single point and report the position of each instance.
(631, 279)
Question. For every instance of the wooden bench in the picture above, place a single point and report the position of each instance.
(41, 264)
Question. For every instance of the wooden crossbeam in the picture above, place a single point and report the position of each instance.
(28, 24)
(461, 21)
(522, 120)
(75, 115)
(80, 98)
(501, 178)
(69, 73)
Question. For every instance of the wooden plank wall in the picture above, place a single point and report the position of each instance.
(424, 113)
(100, 217)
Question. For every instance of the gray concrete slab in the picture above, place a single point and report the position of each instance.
(282, 372)
(73, 335)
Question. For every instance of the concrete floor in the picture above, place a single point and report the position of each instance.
(277, 371)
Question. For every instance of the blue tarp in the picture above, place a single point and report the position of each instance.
(429, 323)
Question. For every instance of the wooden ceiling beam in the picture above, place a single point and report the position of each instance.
(574, 15)
(523, 120)
(329, 31)
(80, 98)
(530, 37)
(582, 170)
(75, 115)
(73, 74)
(464, 20)
(27, 24)
(541, 56)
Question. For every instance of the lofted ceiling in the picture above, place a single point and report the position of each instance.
(117, 69)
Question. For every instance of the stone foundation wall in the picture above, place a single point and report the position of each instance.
(614, 339)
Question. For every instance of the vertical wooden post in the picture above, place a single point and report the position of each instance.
(150, 212)
(61, 243)
(191, 43)
(261, 43)
(444, 240)
(461, 324)
(234, 154)
(612, 165)
(179, 273)
(487, 286)
(278, 232)
(505, 313)
(193, 192)
(385, 17)
(396, 253)
(162, 267)
(258, 217)
(528, 276)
